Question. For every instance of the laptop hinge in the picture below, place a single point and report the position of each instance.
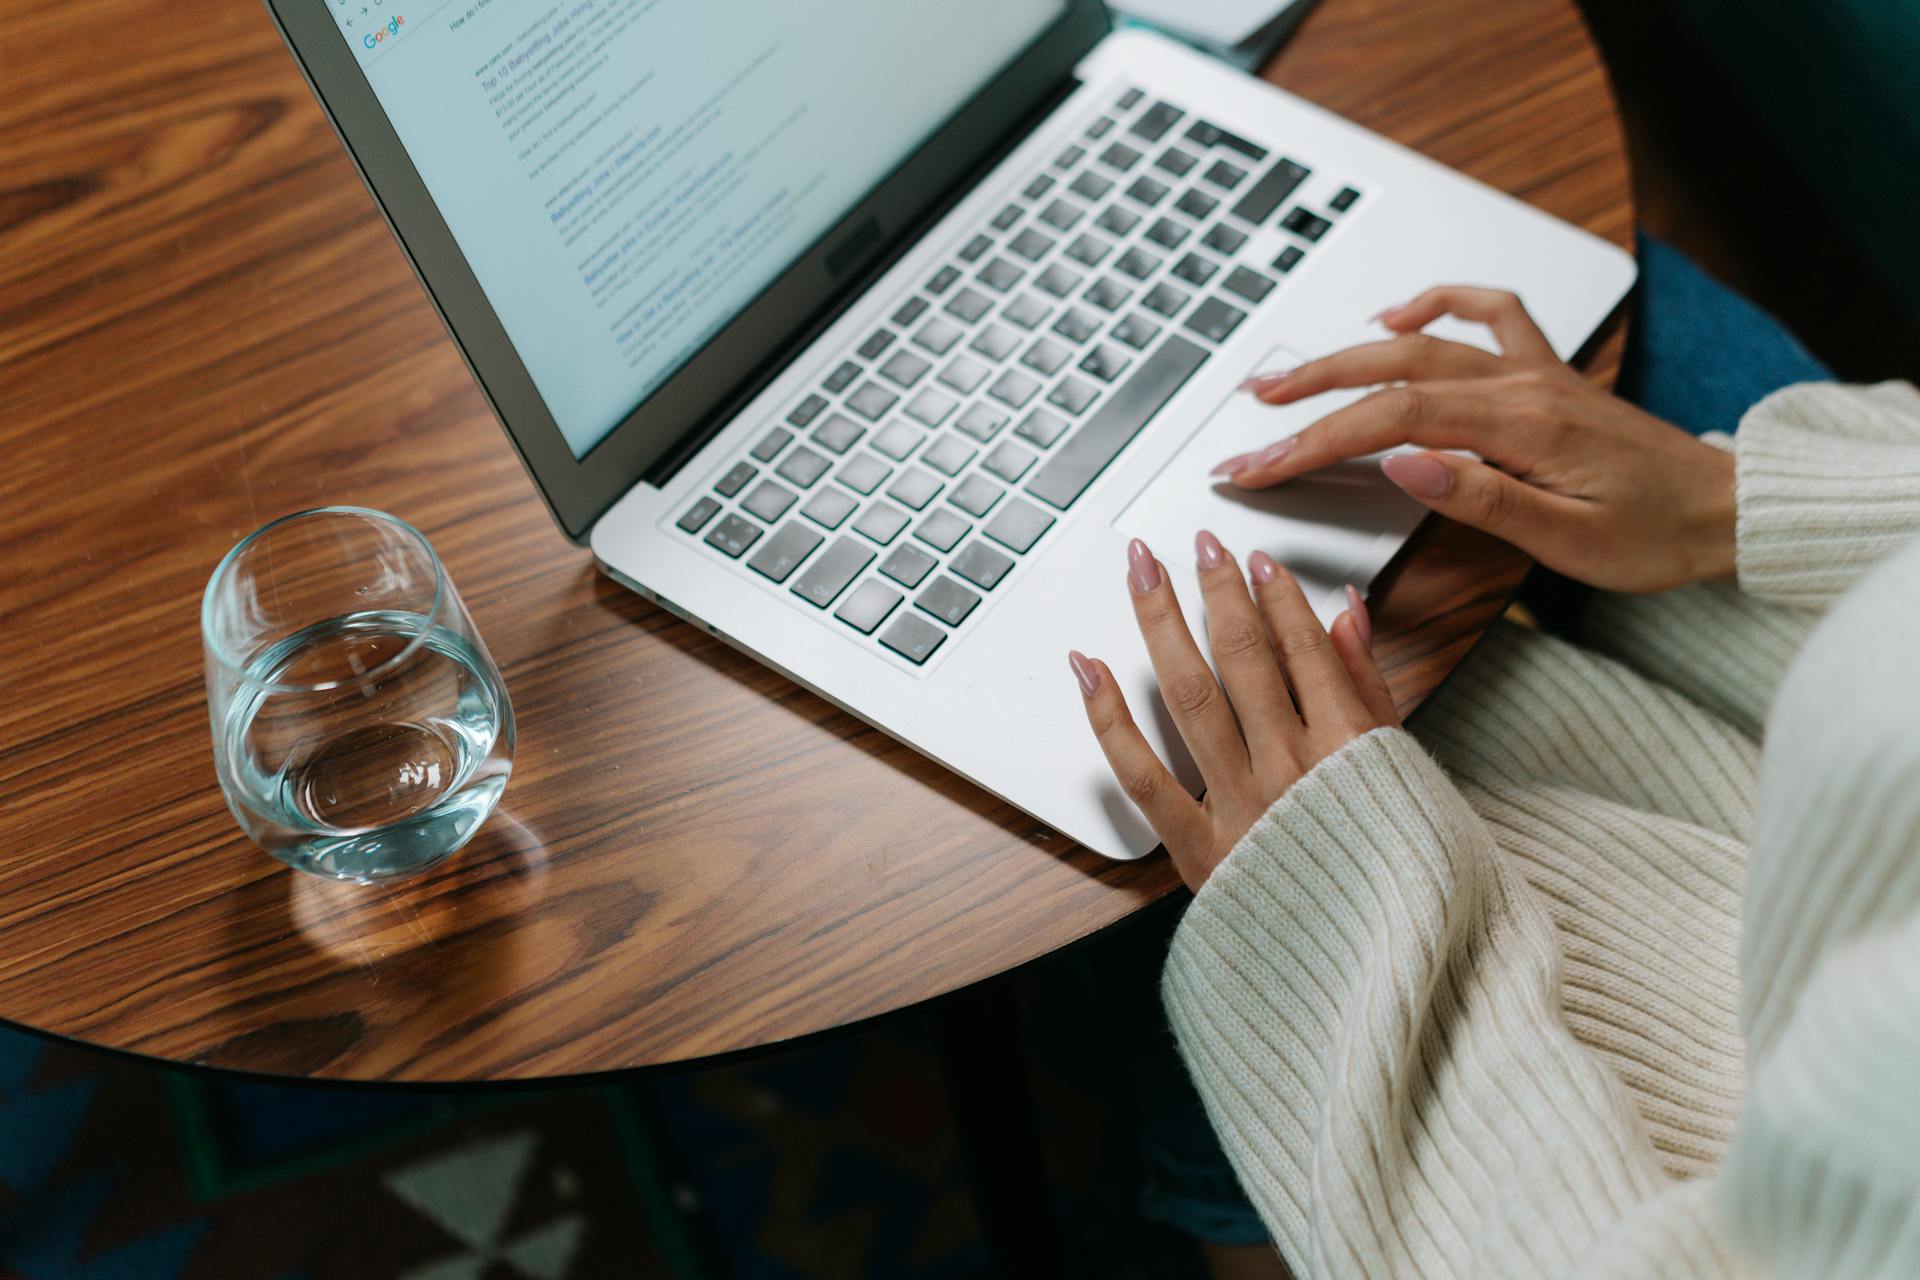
(668, 464)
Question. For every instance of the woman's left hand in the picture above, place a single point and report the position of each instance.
(1293, 694)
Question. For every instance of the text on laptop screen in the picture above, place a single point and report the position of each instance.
(625, 176)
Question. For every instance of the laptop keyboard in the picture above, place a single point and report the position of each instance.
(947, 444)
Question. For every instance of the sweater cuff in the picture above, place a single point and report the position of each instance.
(1828, 485)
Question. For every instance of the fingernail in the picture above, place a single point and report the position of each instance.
(1143, 571)
(1362, 623)
(1273, 453)
(1208, 551)
(1387, 313)
(1418, 475)
(1084, 671)
(1233, 466)
(1261, 383)
(1261, 565)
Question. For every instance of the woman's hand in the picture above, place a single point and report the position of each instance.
(1579, 479)
(1293, 695)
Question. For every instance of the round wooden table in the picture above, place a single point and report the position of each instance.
(205, 325)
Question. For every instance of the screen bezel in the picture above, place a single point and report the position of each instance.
(759, 338)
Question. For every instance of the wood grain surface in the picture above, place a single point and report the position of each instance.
(204, 324)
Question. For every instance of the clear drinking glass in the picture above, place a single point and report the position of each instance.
(360, 728)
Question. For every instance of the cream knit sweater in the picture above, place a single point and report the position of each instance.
(1594, 984)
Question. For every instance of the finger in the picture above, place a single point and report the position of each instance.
(1322, 689)
(1245, 657)
(1501, 311)
(1177, 818)
(1546, 525)
(1192, 695)
(1411, 357)
(1352, 635)
(1434, 415)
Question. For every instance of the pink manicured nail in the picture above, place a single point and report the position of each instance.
(1208, 551)
(1263, 568)
(1384, 313)
(1362, 623)
(1420, 476)
(1261, 383)
(1233, 466)
(1084, 671)
(1143, 571)
(1273, 453)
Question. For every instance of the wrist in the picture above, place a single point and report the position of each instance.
(1713, 518)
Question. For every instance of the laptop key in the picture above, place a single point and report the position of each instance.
(1303, 222)
(974, 248)
(1215, 319)
(1041, 427)
(1225, 175)
(1224, 240)
(1156, 120)
(882, 522)
(950, 454)
(1014, 388)
(838, 433)
(1091, 186)
(1031, 244)
(931, 406)
(969, 304)
(1344, 200)
(963, 374)
(1120, 156)
(769, 501)
(910, 310)
(1038, 187)
(829, 508)
(1266, 195)
(1138, 263)
(1008, 461)
(905, 368)
(913, 638)
(1018, 526)
(1059, 280)
(937, 335)
(1105, 362)
(828, 576)
(868, 606)
(697, 515)
(942, 280)
(771, 444)
(1194, 269)
(975, 495)
(1062, 214)
(1066, 475)
(1072, 395)
(896, 440)
(948, 601)
(807, 410)
(1201, 133)
(915, 488)
(879, 340)
(942, 530)
(981, 565)
(1088, 249)
(781, 554)
(735, 480)
(872, 401)
(1004, 220)
(1070, 157)
(733, 535)
(1164, 299)
(1136, 331)
(802, 467)
(1289, 258)
(1248, 284)
(1076, 325)
(907, 564)
(1026, 311)
(1107, 294)
(1196, 204)
(1046, 355)
(1129, 99)
(982, 421)
(1100, 128)
(1176, 162)
(1147, 191)
(864, 474)
(995, 342)
(842, 377)
(1167, 233)
(1117, 219)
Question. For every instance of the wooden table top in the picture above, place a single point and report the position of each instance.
(204, 324)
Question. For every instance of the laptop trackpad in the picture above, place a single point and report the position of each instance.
(1331, 528)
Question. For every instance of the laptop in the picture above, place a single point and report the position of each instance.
(865, 334)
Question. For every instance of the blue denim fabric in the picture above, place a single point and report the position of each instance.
(1699, 356)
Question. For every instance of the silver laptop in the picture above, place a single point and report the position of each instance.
(865, 334)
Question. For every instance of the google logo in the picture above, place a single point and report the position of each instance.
(373, 38)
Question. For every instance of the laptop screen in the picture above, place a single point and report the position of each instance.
(625, 176)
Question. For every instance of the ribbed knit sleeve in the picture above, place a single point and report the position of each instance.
(1368, 997)
(1828, 486)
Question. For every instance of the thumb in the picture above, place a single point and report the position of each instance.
(1475, 494)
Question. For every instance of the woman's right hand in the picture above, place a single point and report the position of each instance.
(1579, 479)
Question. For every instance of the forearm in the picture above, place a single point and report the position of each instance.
(1368, 999)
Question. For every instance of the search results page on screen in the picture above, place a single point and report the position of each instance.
(625, 175)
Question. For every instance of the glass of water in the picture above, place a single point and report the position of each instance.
(360, 729)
